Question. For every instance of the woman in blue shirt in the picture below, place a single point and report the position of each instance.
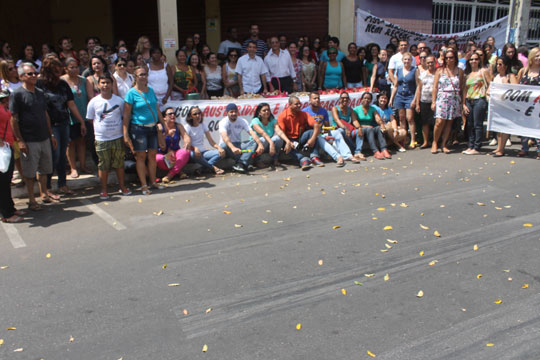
(332, 72)
(141, 115)
(390, 127)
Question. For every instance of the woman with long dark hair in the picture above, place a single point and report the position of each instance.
(372, 58)
(160, 77)
(379, 75)
(98, 66)
(29, 55)
(172, 158)
(355, 72)
(60, 104)
(309, 69)
(229, 75)
(510, 51)
(371, 124)
(270, 134)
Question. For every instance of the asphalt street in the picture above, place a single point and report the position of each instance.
(332, 263)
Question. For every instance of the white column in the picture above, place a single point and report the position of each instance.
(168, 28)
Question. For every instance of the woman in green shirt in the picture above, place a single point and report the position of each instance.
(370, 121)
(271, 135)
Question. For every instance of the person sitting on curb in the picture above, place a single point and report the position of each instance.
(106, 111)
(230, 129)
(298, 136)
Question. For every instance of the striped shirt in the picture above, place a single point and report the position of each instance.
(262, 47)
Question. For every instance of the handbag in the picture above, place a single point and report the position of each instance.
(5, 153)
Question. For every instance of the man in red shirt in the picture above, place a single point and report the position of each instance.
(300, 138)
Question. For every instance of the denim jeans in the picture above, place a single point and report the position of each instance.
(302, 141)
(339, 144)
(525, 144)
(208, 158)
(370, 134)
(245, 158)
(355, 141)
(278, 144)
(475, 121)
(61, 134)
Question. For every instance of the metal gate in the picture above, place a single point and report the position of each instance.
(456, 16)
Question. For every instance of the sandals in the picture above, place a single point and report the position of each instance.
(354, 160)
(66, 191)
(219, 171)
(34, 206)
(360, 156)
(12, 220)
(145, 190)
(125, 192)
(340, 164)
(53, 196)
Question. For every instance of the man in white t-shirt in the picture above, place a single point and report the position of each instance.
(105, 111)
(396, 62)
(230, 43)
(230, 129)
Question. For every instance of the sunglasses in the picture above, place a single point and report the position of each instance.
(423, 57)
(121, 65)
(170, 114)
(143, 74)
(196, 113)
(450, 57)
(474, 59)
(31, 73)
(233, 55)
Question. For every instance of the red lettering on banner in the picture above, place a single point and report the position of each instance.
(276, 109)
(537, 100)
(205, 111)
(219, 111)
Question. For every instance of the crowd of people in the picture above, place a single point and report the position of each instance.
(112, 101)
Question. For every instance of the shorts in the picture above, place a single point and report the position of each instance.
(110, 154)
(403, 101)
(38, 159)
(75, 131)
(143, 137)
(426, 114)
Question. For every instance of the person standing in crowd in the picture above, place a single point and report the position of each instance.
(143, 47)
(28, 54)
(230, 130)
(7, 207)
(389, 127)
(66, 49)
(372, 58)
(31, 126)
(214, 80)
(46, 49)
(345, 119)
(60, 104)
(372, 125)
(333, 43)
(229, 75)
(251, 71)
(91, 42)
(530, 76)
(105, 111)
(200, 78)
(230, 43)
(268, 130)
(282, 41)
(261, 46)
(421, 47)
(5, 50)
(475, 107)
(503, 76)
(184, 76)
(425, 76)
(124, 80)
(523, 55)
(509, 50)
(197, 44)
(341, 151)
(379, 75)
(413, 49)
(98, 68)
(396, 61)
(189, 47)
(280, 68)
(355, 71)
(172, 158)
(295, 125)
(332, 74)
(309, 69)
(84, 60)
(160, 77)
(141, 115)
(8, 75)
(197, 131)
(317, 49)
(297, 65)
(390, 50)
(204, 52)
(77, 143)
(447, 89)
(403, 95)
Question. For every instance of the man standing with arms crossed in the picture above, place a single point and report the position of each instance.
(32, 129)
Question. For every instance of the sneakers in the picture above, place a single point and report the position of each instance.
(306, 165)
(493, 142)
(104, 196)
(378, 155)
(239, 167)
(125, 192)
(386, 154)
(317, 162)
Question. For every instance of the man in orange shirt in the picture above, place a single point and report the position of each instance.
(299, 137)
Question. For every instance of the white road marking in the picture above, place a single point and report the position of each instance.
(13, 235)
(103, 214)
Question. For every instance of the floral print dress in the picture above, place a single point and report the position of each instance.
(448, 105)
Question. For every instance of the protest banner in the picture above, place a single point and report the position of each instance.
(514, 109)
(372, 29)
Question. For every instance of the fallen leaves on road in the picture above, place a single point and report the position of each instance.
(381, 209)
(298, 326)
(479, 276)
(480, 204)
(237, 225)
(227, 212)
(205, 348)
(403, 205)
(71, 339)
(371, 354)
(475, 247)
(421, 253)
(490, 344)
(369, 275)
(424, 227)
(185, 312)
(208, 310)
(498, 301)
(527, 225)
(320, 262)
(392, 241)
(3, 267)
(525, 286)
(344, 291)
(164, 266)
(437, 234)
(432, 263)
(420, 294)
(388, 227)
(12, 328)
(358, 283)
(158, 213)
(335, 227)
(48, 256)
(18, 350)
(173, 284)
(386, 277)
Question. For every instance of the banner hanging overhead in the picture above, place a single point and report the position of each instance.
(514, 109)
(370, 28)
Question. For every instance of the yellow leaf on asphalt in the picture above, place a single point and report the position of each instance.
(437, 234)
(185, 312)
(424, 227)
(420, 294)
(371, 354)
(480, 204)
(507, 206)
(381, 209)
(443, 206)
(525, 286)
(421, 253)
(18, 350)
(48, 256)
(509, 279)
(1, 342)
(173, 284)
(158, 213)
(298, 326)
(369, 275)
(403, 205)
(140, 200)
(374, 218)
(227, 212)
(388, 246)
(479, 276)
(71, 339)
(506, 271)
(321, 262)
(265, 221)
(432, 263)
(498, 208)
(421, 214)
(3, 267)
(533, 194)
(208, 310)
(335, 227)
(386, 277)
(475, 247)
(498, 301)
(388, 227)
(527, 225)
(392, 241)
(344, 291)
(384, 250)
(12, 328)
(237, 225)
(490, 344)
(512, 162)
(205, 348)
(164, 266)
